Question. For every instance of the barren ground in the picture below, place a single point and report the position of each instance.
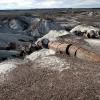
(54, 76)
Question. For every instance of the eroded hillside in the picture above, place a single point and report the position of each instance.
(31, 73)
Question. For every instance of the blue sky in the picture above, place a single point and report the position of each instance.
(27, 4)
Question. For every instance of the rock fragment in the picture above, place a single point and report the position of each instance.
(87, 31)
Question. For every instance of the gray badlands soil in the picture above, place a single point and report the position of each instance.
(45, 75)
(52, 78)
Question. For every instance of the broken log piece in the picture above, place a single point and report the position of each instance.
(70, 49)
(82, 53)
(58, 47)
(87, 55)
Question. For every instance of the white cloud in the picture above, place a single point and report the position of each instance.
(14, 4)
(25, 4)
(86, 3)
(48, 4)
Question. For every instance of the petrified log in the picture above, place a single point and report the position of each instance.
(69, 49)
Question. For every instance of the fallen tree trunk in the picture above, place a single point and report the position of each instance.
(69, 49)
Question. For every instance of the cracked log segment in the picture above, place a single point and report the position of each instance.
(69, 49)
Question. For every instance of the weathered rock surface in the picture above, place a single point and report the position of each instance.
(54, 34)
(44, 27)
(15, 25)
(89, 31)
(67, 23)
(45, 74)
(23, 31)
